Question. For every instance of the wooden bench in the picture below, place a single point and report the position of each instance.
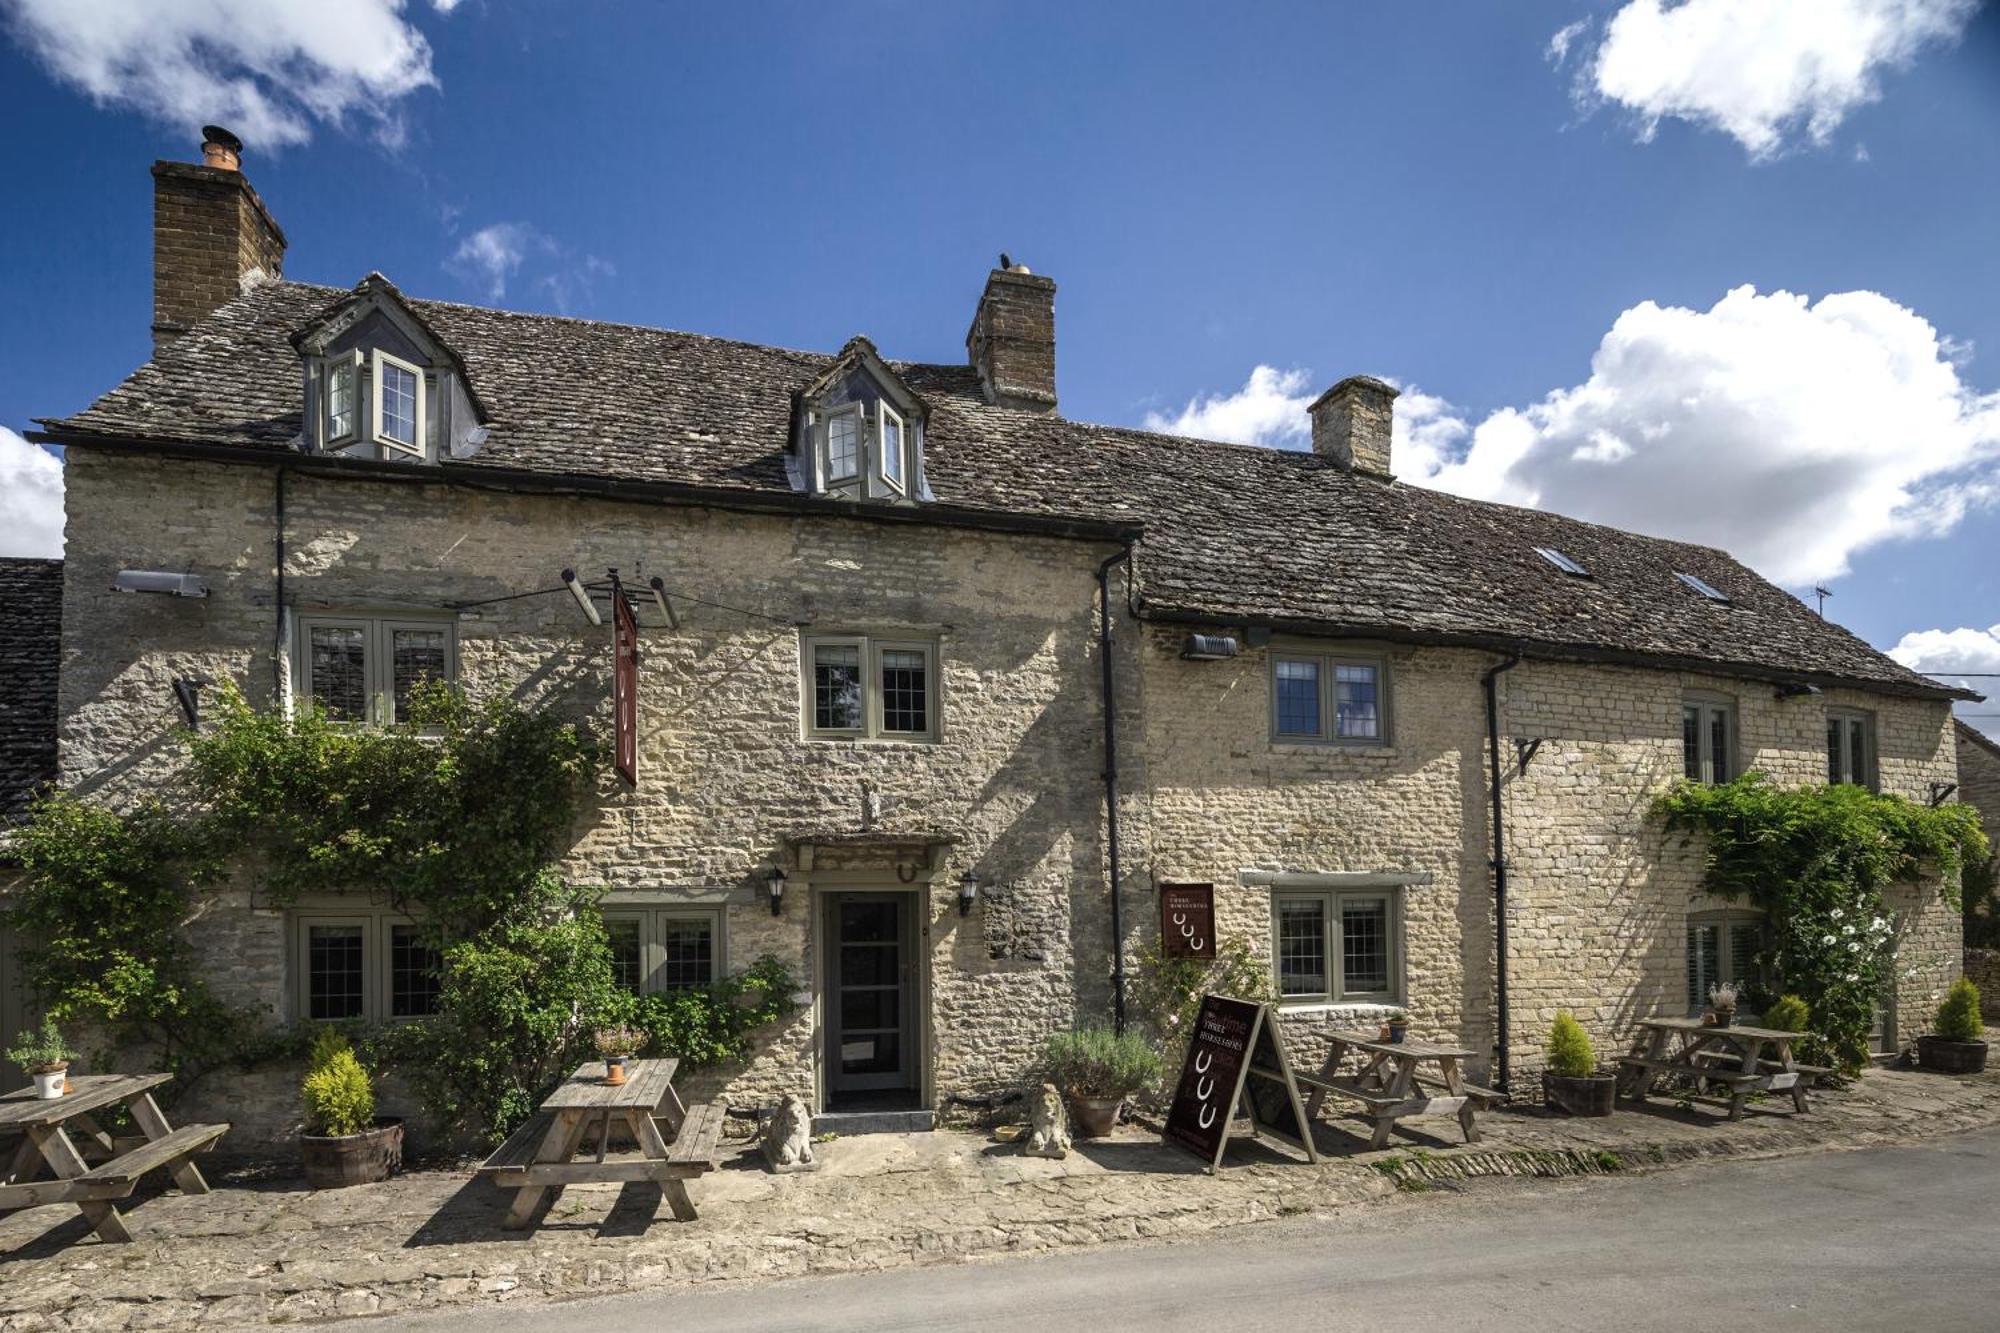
(122, 1172)
(519, 1149)
(1386, 1108)
(696, 1145)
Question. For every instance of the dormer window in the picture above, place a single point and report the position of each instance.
(343, 388)
(893, 463)
(858, 432)
(399, 404)
(842, 462)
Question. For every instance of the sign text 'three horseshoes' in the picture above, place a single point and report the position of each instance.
(1187, 920)
(1235, 1058)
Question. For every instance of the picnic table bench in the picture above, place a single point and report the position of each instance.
(1732, 1057)
(1399, 1080)
(540, 1157)
(45, 1126)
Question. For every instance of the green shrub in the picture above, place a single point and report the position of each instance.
(1569, 1050)
(713, 1025)
(327, 1043)
(1096, 1062)
(43, 1051)
(1165, 994)
(1787, 1013)
(337, 1095)
(1958, 1017)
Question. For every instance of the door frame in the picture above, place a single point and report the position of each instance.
(827, 883)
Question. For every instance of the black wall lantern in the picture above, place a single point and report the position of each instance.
(774, 880)
(968, 892)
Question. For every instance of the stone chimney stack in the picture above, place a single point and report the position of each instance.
(212, 236)
(1351, 424)
(1012, 341)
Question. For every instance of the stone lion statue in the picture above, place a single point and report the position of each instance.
(1048, 1124)
(787, 1143)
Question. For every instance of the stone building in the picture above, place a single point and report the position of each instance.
(901, 594)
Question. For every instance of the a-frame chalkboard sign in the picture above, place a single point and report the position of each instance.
(1236, 1064)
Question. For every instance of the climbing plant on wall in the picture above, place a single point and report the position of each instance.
(1818, 861)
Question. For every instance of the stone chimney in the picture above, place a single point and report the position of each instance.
(212, 236)
(1351, 424)
(1012, 341)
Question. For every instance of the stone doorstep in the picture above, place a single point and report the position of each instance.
(887, 1200)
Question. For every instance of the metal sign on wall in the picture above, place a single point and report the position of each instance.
(1187, 920)
(625, 688)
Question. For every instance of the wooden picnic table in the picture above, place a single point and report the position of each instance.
(1734, 1057)
(541, 1157)
(45, 1126)
(1398, 1079)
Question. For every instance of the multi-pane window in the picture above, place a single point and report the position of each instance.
(664, 948)
(1338, 699)
(1338, 947)
(864, 687)
(892, 448)
(1721, 946)
(343, 386)
(363, 669)
(1708, 739)
(399, 404)
(1850, 747)
(370, 964)
(843, 446)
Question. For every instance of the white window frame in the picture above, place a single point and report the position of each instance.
(823, 446)
(883, 416)
(351, 364)
(1706, 707)
(1857, 768)
(1729, 964)
(377, 925)
(1329, 726)
(653, 923)
(1330, 902)
(870, 650)
(378, 657)
(418, 435)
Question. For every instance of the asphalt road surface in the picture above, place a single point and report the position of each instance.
(1888, 1238)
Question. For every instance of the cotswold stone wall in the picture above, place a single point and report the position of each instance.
(726, 781)
(1598, 896)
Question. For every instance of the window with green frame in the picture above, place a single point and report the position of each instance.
(1338, 946)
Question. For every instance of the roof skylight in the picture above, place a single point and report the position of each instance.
(1561, 561)
(1705, 588)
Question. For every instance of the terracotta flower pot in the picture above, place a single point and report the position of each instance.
(1586, 1094)
(336, 1161)
(1951, 1057)
(614, 1069)
(1094, 1117)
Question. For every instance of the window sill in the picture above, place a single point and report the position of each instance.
(1368, 1009)
(1360, 750)
(883, 742)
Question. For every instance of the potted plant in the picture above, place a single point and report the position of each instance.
(1722, 999)
(1953, 1045)
(46, 1056)
(617, 1046)
(1098, 1069)
(1572, 1081)
(344, 1143)
(1399, 1026)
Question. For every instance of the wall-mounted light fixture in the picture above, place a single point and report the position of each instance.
(576, 590)
(1208, 648)
(1941, 792)
(187, 693)
(1796, 691)
(968, 892)
(774, 881)
(155, 580)
(659, 587)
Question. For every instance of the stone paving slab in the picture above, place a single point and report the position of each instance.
(260, 1250)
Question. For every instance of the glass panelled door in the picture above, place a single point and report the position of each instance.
(871, 1037)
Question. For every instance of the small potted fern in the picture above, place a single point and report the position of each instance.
(344, 1142)
(1572, 1082)
(45, 1056)
(1953, 1044)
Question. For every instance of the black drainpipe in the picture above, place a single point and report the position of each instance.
(278, 632)
(1490, 680)
(1111, 785)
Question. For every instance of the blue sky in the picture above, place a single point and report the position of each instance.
(1432, 193)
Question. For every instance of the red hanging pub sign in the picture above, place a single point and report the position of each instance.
(625, 686)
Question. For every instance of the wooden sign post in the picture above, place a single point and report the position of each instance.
(1236, 1061)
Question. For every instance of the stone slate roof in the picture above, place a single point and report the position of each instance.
(30, 650)
(1232, 533)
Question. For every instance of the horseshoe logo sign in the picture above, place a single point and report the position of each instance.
(1187, 920)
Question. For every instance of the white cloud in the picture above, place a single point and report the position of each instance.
(1792, 433)
(271, 70)
(1269, 409)
(1758, 70)
(493, 254)
(31, 498)
(1942, 652)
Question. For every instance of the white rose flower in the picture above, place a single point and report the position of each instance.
(1847, 930)
(1854, 947)
(1827, 939)
(1837, 914)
